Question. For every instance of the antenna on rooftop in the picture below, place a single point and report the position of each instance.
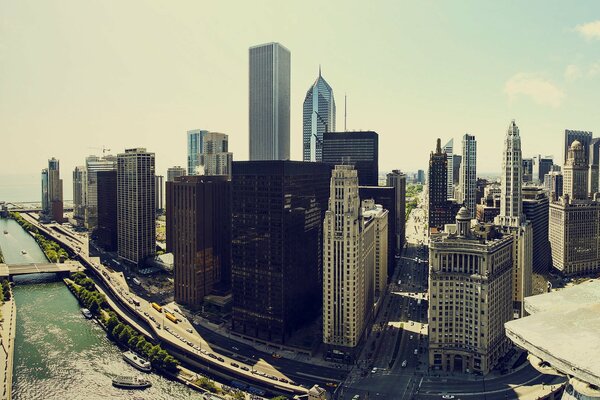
(345, 114)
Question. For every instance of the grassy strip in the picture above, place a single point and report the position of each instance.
(53, 251)
(85, 290)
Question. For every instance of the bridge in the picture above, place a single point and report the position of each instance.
(7, 270)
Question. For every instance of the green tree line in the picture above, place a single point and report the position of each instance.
(51, 249)
(6, 289)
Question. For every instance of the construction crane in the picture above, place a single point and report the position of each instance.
(103, 148)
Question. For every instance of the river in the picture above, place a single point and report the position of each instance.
(58, 353)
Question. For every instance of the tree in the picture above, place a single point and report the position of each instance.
(116, 331)
(111, 323)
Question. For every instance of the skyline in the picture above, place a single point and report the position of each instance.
(183, 68)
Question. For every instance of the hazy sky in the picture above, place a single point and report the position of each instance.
(75, 74)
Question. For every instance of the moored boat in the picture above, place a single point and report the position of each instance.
(137, 361)
(130, 382)
(86, 313)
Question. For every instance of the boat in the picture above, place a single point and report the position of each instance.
(130, 382)
(5, 232)
(137, 361)
(23, 252)
(86, 313)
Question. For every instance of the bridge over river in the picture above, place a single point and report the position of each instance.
(7, 270)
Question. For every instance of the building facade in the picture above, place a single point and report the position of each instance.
(199, 236)
(269, 102)
(470, 296)
(79, 184)
(536, 209)
(136, 205)
(277, 216)
(318, 117)
(93, 164)
(468, 173)
(174, 172)
(583, 137)
(160, 193)
(360, 149)
(440, 210)
(594, 178)
(106, 233)
(216, 157)
(397, 180)
(449, 150)
(195, 141)
(55, 191)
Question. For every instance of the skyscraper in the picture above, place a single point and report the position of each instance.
(136, 205)
(397, 180)
(468, 173)
(199, 235)
(45, 198)
(160, 194)
(269, 102)
(466, 331)
(527, 169)
(216, 157)
(93, 164)
(575, 220)
(174, 172)
(536, 209)
(594, 178)
(544, 166)
(449, 150)
(584, 137)
(277, 258)
(318, 118)
(106, 232)
(512, 220)
(79, 194)
(195, 140)
(55, 190)
(439, 210)
(360, 149)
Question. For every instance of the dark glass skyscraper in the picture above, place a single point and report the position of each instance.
(199, 236)
(277, 216)
(360, 149)
(106, 231)
(439, 212)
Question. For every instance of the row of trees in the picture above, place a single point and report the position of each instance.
(51, 249)
(21, 221)
(6, 289)
(121, 332)
(127, 336)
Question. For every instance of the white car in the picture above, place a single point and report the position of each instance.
(447, 396)
(404, 364)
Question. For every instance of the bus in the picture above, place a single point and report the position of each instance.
(157, 307)
(171, 317)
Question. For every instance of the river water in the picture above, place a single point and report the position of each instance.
(58, 353)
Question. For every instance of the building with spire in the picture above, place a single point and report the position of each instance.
(512, 220)
(575, 219)
(440, 210)
(318, 118)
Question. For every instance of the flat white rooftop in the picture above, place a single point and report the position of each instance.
(563, 330)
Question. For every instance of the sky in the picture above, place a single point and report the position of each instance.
(79, 75)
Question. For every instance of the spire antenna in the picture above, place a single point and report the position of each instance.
(319, 70)
(345, 114)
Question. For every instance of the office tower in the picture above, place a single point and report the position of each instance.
(318, 117)
(456, 162)
(79, 185)
(544, 166)
(489, 206)
(397, 180)
(469, 296)
(536, 208)
(277, 216)
(512, 220)
(583, 137)
(449, 150)
(594, 177)
(360, 149)
(159, 184)
(527, 170)
(439, 210)
(93, 164)
(553, 184)
(106, 232)
(216, 157)
(136, 207)
(199, 236)
(575, 220)
(468, 173)
(45, 198)
(386, 197)
(349, 261)
(375, 215)
(421, 177)
(195, 141)
(269, 102)
(55, 190)
(174, 172)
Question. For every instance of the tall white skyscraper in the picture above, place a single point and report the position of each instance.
(449, 150)
(468, 173)
(512, 220)
(269, 102)
(318, 117)
(195, 140)
(136, 205)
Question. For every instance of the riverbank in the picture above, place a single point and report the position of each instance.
(8, 323)
(53, 251)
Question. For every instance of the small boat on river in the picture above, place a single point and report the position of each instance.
(137, 361)
(130, 382)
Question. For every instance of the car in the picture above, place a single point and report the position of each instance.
(374, 370)
(411, 336)
(234, 364)
(275, 355)
(356, 397)
(189, 330)
(447, 396)
(283, 380)
(245, 368)
(331, 384)
(235, 348)
(416, 351)
(404, 364)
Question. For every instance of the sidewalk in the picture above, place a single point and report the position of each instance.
(7, 342)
